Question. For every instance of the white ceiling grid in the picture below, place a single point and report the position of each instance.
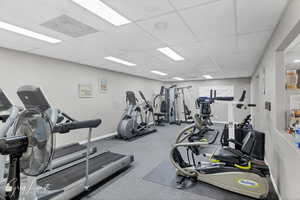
(223, 38)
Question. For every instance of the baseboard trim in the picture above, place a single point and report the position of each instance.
(274, 183)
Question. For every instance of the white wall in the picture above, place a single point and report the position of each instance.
(60, 80)
(219, 110)
(281, 153)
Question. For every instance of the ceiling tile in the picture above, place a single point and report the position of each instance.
(212, 20)
(137, 9)
(237, 60)
(95, 45)
(131, 38)
(258, 15)
(18, 42)
(253, 41)
(221, 45)
(143, 59)
(192, 51)
(180, 4)
(157, 26)
(168, 28)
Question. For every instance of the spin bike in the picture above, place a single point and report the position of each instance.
(136, 121)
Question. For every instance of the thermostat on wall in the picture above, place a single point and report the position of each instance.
(268, 105)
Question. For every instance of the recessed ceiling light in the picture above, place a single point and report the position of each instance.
(207, 76)
(297, 61)
(170, 53)
(28, 33)
(100, 9)
(178, 78)
(117, 60)
(158, 73)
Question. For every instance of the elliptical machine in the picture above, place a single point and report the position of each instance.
(137, 120)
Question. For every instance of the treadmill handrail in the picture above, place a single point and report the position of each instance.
(67, 127)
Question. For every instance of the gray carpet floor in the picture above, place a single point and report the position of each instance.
(149, 152)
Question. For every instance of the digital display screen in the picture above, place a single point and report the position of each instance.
(4, 102)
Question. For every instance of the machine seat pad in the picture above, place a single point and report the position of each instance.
(226, 156)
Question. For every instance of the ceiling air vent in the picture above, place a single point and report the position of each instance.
(69, 26)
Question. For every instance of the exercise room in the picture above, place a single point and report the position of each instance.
(149, 99)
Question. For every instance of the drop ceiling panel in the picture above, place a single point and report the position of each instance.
(192, 51)
(181, 4)
(212, 20)
(237, 60)
(216, 50)
(105, 64)
(221, 45)
(144, 60)
(253, 41)
(258, 15)
(168, 28)
(75, 11)
(95, 45)
(69, 26)
(19, 42)
(131, 38)
(137, 9)
(23, 13)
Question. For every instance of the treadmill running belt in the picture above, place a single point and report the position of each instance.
(72, 174)
(66, 150)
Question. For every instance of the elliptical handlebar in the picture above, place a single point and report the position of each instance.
(144, 98)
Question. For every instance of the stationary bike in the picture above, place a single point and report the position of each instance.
(136, 120)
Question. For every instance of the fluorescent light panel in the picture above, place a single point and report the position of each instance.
(120, 61)
(28, 33)
(100, 9)
(207, 76)
(170, 53)
(158, 73)
(297, 61)
(178, 78)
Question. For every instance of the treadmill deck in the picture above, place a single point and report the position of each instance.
(72, 174)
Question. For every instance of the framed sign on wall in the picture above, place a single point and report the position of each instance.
(86, 91)
(103, 85)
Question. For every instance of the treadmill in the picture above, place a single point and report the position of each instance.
(62, 155)
(70, 180)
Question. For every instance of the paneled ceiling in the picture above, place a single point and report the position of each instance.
(222, 38)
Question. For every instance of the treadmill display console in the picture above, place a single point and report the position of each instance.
(33, 97)
(5, 104)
